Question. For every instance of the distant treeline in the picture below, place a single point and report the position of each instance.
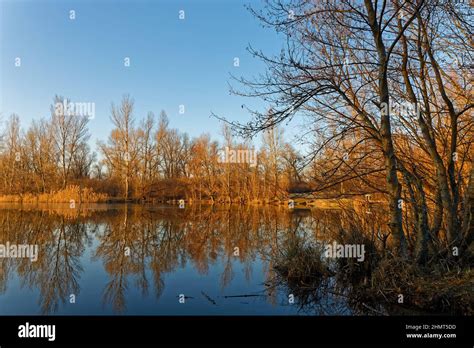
(142, 159)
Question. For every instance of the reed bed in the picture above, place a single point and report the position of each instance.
(72, 194)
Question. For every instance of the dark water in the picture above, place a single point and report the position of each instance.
(130, 259)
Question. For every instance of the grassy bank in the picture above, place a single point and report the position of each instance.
(71, 194)
(381, 285)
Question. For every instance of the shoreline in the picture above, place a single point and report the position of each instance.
(298, 203)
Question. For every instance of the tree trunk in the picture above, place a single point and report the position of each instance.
(393, 185)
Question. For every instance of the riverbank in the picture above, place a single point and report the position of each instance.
(72, 194)
(384, 285)
(75, 194)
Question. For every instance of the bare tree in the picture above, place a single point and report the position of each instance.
(69, 131)
(121, 153)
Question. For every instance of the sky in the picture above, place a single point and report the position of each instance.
(173, 61)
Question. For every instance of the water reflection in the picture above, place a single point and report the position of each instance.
(140, 259)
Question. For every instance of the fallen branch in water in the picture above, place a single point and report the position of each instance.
(208, 298)
(250, 295)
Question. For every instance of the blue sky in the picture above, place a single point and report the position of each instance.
(173, 61)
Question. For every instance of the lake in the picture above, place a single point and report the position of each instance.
(162, 260)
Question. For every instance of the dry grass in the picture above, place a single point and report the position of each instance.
(440, 290)
(301, 264)
(72, 193)
(437, 288)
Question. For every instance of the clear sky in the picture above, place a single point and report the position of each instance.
(172, 61)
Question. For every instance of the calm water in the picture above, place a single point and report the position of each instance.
(130, 259)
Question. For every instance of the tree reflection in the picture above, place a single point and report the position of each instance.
(61, 242)
(138, 245)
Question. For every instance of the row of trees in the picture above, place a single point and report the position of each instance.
(154, 159)
(47, 156)
(142, 158)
